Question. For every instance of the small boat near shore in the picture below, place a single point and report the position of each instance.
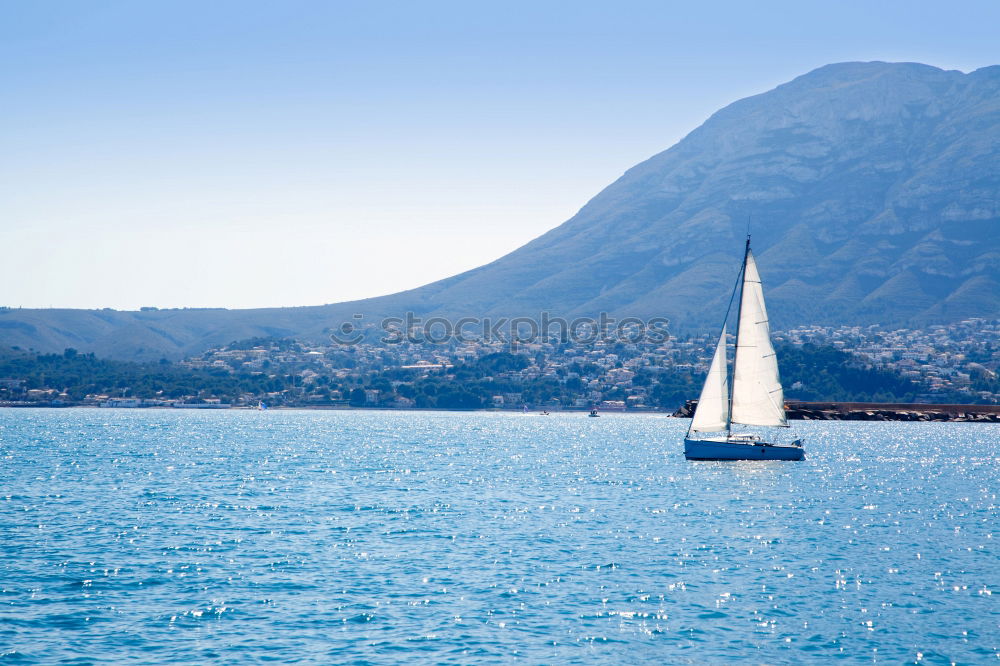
(754, 397)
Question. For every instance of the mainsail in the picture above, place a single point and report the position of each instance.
(757, 395)
(712, 412)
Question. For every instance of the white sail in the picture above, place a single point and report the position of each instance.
(712, 412)
(757, 395)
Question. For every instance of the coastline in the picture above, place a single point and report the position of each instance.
(796, 410)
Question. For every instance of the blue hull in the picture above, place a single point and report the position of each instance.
(707, 449)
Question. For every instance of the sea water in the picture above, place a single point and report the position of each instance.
(165, 536)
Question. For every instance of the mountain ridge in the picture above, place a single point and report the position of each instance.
(871, 190)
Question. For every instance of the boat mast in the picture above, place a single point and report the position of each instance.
(736, 350)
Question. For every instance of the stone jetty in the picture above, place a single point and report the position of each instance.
(873, 411)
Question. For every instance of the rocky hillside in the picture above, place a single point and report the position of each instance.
(872, 188)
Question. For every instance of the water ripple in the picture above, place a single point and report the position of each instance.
(374, 537)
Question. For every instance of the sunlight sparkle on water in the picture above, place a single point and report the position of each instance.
(447, 537)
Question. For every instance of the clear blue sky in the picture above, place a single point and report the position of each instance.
(244, 154)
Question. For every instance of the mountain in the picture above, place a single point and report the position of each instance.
(872, 193)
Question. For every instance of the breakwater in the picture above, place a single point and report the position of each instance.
(873, 411)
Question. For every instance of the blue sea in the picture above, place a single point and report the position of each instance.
(158, 536)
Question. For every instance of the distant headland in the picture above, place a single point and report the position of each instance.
(872, 190)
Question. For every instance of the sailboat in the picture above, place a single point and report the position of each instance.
(754, 397)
